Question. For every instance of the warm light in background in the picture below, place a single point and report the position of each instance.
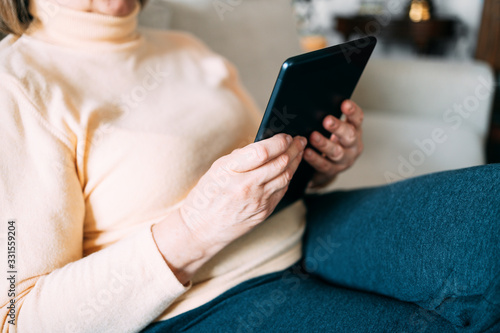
(420, 11)
(313, 43)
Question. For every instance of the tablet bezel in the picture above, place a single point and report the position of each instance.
(306, 72)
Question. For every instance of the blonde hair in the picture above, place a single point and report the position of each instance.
(15, 17)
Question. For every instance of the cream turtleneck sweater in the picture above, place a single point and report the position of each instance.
(104, 128)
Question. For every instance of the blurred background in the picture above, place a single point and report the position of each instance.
(460, 30)
(420, 92)
(453, 25)
(430, 93)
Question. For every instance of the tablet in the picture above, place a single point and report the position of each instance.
(309, 87)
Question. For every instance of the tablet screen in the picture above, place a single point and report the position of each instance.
(310, 87)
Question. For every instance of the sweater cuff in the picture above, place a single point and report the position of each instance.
(158, 259)
(161, 282)
(167, 280)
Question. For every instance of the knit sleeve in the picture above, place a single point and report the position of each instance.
(121, 288)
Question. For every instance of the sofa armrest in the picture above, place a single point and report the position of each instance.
(431, 89)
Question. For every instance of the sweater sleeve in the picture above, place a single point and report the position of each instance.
(121, 288)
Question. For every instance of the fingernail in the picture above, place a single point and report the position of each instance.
(303, 142)
(308, 153)
(350, 106)
(288, 138)
(330, 122)
(316, 137)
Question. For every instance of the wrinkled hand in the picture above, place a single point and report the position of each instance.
(341, 149)
(241, 189)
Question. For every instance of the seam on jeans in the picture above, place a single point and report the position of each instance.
(475, 311)
(494, 283)
(495, 323)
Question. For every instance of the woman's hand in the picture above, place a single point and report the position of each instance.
(341, 149)
(237, 193)
(242, 189)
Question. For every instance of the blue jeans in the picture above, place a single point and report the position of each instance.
(421, 255)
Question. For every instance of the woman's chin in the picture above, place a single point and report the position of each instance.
(115, 7)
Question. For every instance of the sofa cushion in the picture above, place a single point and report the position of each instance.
(428, 88)
(403, 146)
(256, 35)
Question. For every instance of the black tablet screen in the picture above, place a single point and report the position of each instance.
(310, 87)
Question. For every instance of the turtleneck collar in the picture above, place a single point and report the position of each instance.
(61, 25)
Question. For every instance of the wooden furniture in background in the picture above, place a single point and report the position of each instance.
(488, 46)
(488, 49)
(425, 36)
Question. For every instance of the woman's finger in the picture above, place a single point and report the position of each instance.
(276, 197)
(318, 162)
(354, 114)
(283, 179)
(345, 133)
(258, 153)
(332, 150)
(278, 165)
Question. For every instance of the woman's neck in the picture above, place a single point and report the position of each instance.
(62, 25)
